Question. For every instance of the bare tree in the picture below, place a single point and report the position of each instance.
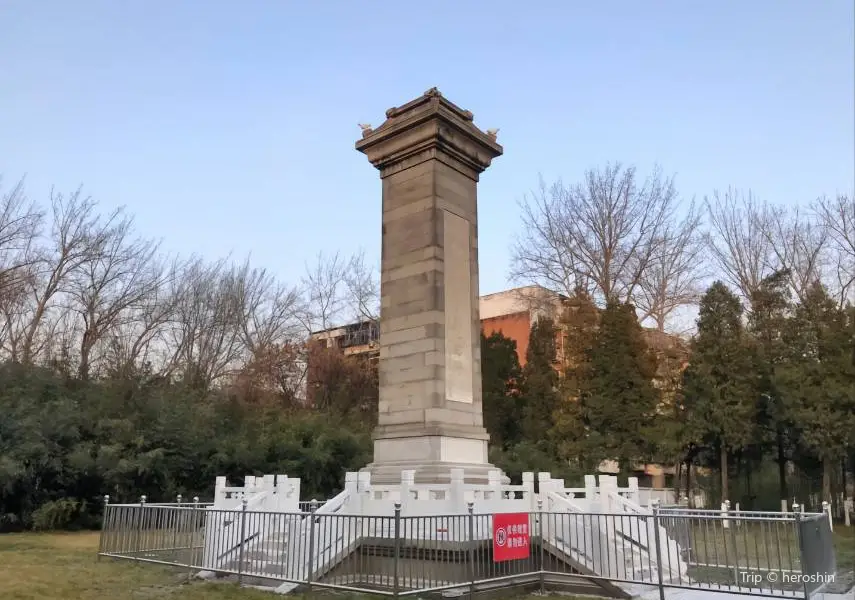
(137, 342)
(363, 288)
(270, 311)
(89, 293)
(76, 233)
(674, 273)
(20, 223)
(599, 236)
(206, 336)
(115, 277)
(737, 240)
(59, 342)
(838, 216)
(323, 285)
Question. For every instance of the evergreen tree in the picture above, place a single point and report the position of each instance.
(539, 385)
(718, 385)
(617, 399)
(500, 375)
(579, 325)
(818, 382)
(770, 309)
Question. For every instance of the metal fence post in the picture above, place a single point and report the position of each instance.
(243, 504)
(193, 520)
(138, 542)
(103, 526)
(311, 558)
(396, 582)
(542, 550)
(470, 506)
(826, 508)
(797, 513)
(176, 523)
(734, 524)
(656, 540)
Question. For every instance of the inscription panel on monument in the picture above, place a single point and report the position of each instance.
(458, 309)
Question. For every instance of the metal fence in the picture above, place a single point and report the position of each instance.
(774, 554)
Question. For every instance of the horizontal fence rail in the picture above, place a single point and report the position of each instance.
(773, 555)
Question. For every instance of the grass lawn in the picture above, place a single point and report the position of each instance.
(844, 546)
(63, 566)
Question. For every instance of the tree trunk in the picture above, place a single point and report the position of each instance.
(86, 345)
(782, 467)
(678, 480)
(724, 490)
(688, 479)
(827, 469)
(748, 494)
(843, 479)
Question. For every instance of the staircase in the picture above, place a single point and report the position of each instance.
(608, 535)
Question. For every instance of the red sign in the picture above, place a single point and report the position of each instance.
(511, 539)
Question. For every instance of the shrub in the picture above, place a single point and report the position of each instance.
(58, 514)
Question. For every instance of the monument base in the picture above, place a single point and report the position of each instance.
(431, 473)
(432, 457)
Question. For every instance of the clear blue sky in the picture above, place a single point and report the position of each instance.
(229, 126)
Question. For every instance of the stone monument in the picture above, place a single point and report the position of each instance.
(430, 155)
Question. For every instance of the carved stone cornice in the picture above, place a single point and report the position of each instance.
(429, 127)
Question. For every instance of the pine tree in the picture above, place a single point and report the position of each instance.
(500, 378)
(818, 382)
(539, 386)
(770, 309)
(579, 327)
(718, 384)
(617, 398)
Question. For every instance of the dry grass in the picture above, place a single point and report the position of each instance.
(844, 546)
(63, 566)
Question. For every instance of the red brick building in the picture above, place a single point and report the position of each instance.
(513, 312)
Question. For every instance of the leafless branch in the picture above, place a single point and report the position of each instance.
(116, 277)
(75, 234)
(323, 284)
(363, 288)
(737, 241)
(797, 243)
(674, 274)
(838, 216)
(270, 310)
(20, 223)
(207, 329)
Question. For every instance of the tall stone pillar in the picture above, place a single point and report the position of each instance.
(430, 155)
